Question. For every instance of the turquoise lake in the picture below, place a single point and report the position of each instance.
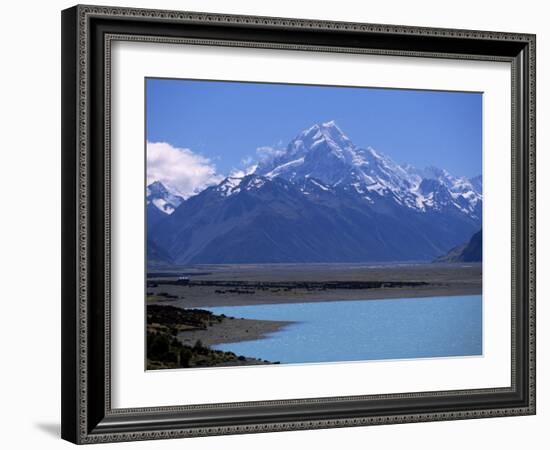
(364, 330)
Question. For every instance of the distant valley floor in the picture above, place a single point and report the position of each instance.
(232, 285)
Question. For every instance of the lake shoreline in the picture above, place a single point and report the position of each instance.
(231, 330)
(219, 327)
(182, 338)
(237, 329)
(354, 330)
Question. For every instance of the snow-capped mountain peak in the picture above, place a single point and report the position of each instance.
(324, 153)
(164, 199)
(322, 161)
(229, 186)
(324, 138)
(328, 130)
(332, 134)
(235, 185)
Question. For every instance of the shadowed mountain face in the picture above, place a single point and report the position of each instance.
(157, 255)
(472, 251)
(322, 200)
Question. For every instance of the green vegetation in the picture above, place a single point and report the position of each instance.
(165, 351)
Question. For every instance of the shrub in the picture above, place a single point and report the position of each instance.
(158, 346)
(185, 357)
(200, 348)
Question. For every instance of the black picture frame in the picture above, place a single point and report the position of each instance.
(87, 416)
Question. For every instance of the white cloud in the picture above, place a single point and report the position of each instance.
(268, 153)
(179, 168)
(239, 173)
(247, 161)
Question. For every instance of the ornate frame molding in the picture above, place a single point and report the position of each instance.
(80, 424)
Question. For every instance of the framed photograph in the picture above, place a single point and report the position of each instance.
(280, 224)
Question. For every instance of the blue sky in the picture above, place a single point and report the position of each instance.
(226, 122)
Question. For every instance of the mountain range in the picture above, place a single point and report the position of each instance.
(322, 199)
